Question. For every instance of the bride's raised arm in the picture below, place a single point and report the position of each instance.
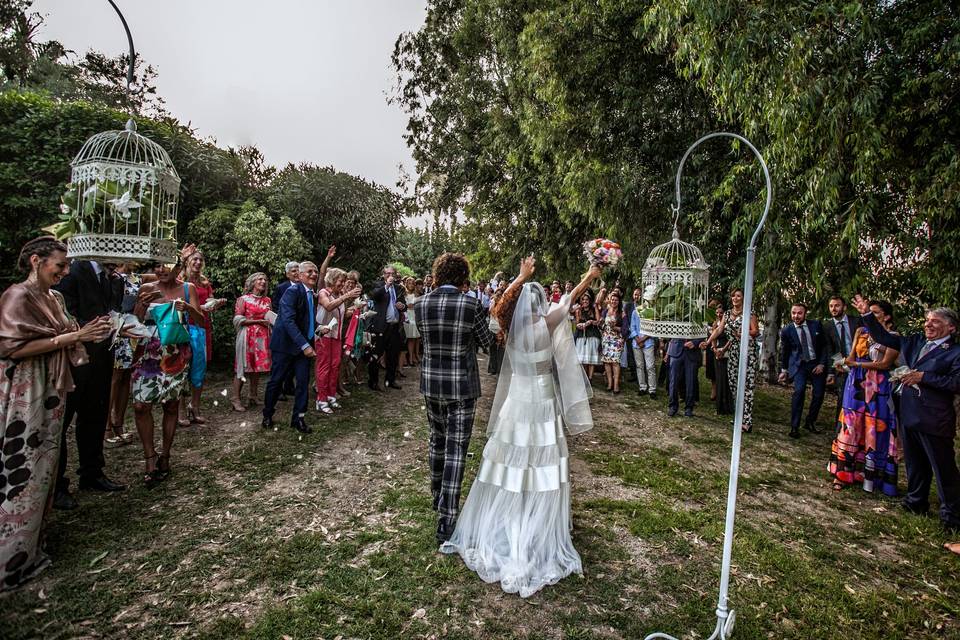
(588, 278)
(560, 313)
(503, 309)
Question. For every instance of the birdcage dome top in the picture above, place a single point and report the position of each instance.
(126, 147)
(676, 254)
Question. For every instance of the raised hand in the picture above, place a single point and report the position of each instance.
(332, 251)
(861, 304)
(188, 250)
(527, 266)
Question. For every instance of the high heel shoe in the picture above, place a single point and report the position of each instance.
(152, 477)
(163, 466)
(194, 416)
(238, 405)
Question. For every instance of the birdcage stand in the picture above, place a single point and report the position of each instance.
(725, 615)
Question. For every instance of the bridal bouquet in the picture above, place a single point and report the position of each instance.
(602, 252)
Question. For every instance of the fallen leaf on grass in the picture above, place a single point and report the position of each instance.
(419, 613)
(98, 558)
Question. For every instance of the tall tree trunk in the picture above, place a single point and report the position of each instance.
(771, 324)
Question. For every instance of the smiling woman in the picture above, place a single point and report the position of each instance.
(38, 343)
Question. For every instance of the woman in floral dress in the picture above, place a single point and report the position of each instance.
(161, 373)
(123, 349)
(612, 341)
(253, 339)
(38, 344)
(865, 449)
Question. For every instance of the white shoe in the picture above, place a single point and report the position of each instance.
(323, 407)
(332, 402)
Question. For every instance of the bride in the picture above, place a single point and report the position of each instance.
(515, 525)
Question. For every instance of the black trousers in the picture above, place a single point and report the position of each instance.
(388, 344)
(927, 456)
(89, 402)
(683, 381)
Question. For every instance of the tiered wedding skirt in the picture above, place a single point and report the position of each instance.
(515, 525)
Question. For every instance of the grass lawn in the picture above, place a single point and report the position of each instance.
(266, 535)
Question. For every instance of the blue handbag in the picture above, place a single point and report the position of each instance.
(198, 345)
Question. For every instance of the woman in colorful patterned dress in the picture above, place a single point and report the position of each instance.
(38, 344)
(253, 339)
(612, 341)
(731, 326)
(161, 373)
(865, 449)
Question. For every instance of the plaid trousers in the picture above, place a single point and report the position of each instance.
(451, 425)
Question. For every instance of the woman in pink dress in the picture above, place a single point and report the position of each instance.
(253, 339)
(193, 274)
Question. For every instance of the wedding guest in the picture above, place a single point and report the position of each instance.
(497, 346)
(839, 329)
(386, 329)
(555, 292)
(331, 316)
(291, 348)
(322, 274)
(123, 349)
(644, 349)
(292, 272)
(418, 287)
(927, 411)
(683, 358)
(628, 361)
(803, 358)
(90, 290)
(587, 334)
(161, 372)
(611, 343)
(428, 283)
(410, 332)
(193, 273)
(725, 402)
(252, 357)
(478, 291)
(730, 326)
(38, 343)
(353, 345)
(568, 287)
(865, 449)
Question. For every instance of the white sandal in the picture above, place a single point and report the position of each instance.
(323, 407)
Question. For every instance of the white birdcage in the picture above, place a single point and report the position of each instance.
(122, 199)
(676, 281)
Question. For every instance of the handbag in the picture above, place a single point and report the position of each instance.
(198, 345)
(169, 324)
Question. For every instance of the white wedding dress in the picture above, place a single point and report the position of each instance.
(515, 525)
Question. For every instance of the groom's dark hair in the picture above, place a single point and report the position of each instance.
(450, 268)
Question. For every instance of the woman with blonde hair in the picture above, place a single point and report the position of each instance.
(410, 331)
(331, 302)
(193, 273)
(253, 339)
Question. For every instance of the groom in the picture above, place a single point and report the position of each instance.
(451, 325)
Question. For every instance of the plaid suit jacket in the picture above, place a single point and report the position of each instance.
(451, 326)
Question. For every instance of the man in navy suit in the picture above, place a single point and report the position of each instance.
(291, 346)
(927, 414)
(803, 357)
(683, 358)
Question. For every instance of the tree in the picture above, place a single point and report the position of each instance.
(334, 208)
(49, 67)
(418, 248)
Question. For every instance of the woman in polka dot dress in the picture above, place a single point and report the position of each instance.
(38, 343)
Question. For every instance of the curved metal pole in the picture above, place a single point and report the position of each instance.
(133, 53)
(725, 615)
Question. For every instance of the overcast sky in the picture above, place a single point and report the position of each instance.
(303, 80)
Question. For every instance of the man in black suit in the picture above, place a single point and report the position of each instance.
(839, 329)
(927, 412)
(803, 358)
(628, 361)
(386, 329)
(90, 290)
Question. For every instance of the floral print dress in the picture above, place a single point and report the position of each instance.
(732, 330)
(254, 307)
